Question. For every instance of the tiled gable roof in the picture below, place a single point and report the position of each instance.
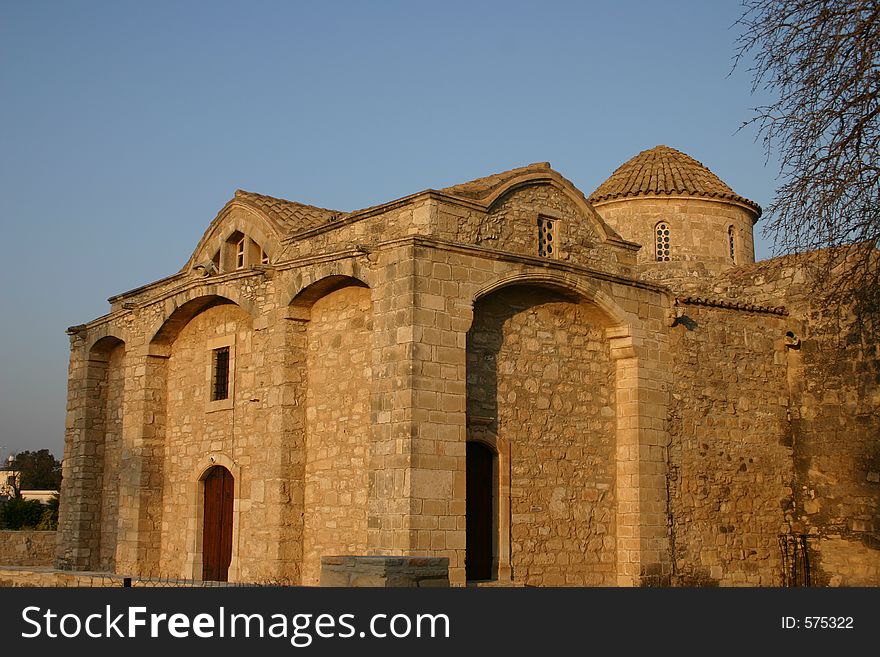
(291, 217)
(664, 171)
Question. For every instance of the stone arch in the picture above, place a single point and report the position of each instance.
(542, 388)
(97, 462)
(104, 339)
(614, 314)
(182, 308)
(303, 301)
(177, 389)
(311, 285)
(331, 353)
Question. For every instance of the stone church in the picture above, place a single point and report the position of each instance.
(544, 387)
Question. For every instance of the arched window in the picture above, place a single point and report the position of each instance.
(661, 243)
(731, 242)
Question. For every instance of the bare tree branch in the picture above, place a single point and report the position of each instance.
(820, 60)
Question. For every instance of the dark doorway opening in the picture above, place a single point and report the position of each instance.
(217, 534)
(480, 513)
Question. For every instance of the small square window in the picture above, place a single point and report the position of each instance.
(547, 240)
(220, 376)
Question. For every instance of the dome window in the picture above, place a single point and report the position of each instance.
(731, 242)
(661, 242)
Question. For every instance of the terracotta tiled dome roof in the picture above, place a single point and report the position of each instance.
(664, 171)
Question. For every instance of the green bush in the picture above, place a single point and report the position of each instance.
(22, 514)
(49, 519)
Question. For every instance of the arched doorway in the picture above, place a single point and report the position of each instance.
(480, 512)
(217, 534)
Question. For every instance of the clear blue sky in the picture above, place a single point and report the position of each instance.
(126, 126)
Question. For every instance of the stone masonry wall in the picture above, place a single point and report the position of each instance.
(27, 548)
(196, 427)
(540, 375)
(834, 369)
(337, 428)
(730, 467)
(698, 229)
(423, 292)
(112, 448)
(511, 225)
(837, 456)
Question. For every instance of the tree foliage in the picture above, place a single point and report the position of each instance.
(39, 470)
(820, 61)
(18, 513)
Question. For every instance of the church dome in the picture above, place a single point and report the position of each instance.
(664, 171)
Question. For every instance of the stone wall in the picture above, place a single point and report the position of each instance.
(835, 429)
(541, 388)
(337, 428)
(27, 547)
(699, 229)
(405, 572)
(832, 421)
(35, 576)
(235, 430)
(730, 458)
(512, 225)
(110, 453)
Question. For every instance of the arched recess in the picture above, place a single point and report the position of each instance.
(182, 308)
(610, 312)
(182, 422)
(541, 388)
(330, 352)
(100, 452)
(304, 293)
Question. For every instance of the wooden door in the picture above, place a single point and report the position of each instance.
(479, 511)
(217, 535)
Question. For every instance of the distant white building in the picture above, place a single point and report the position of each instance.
(11, 479)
